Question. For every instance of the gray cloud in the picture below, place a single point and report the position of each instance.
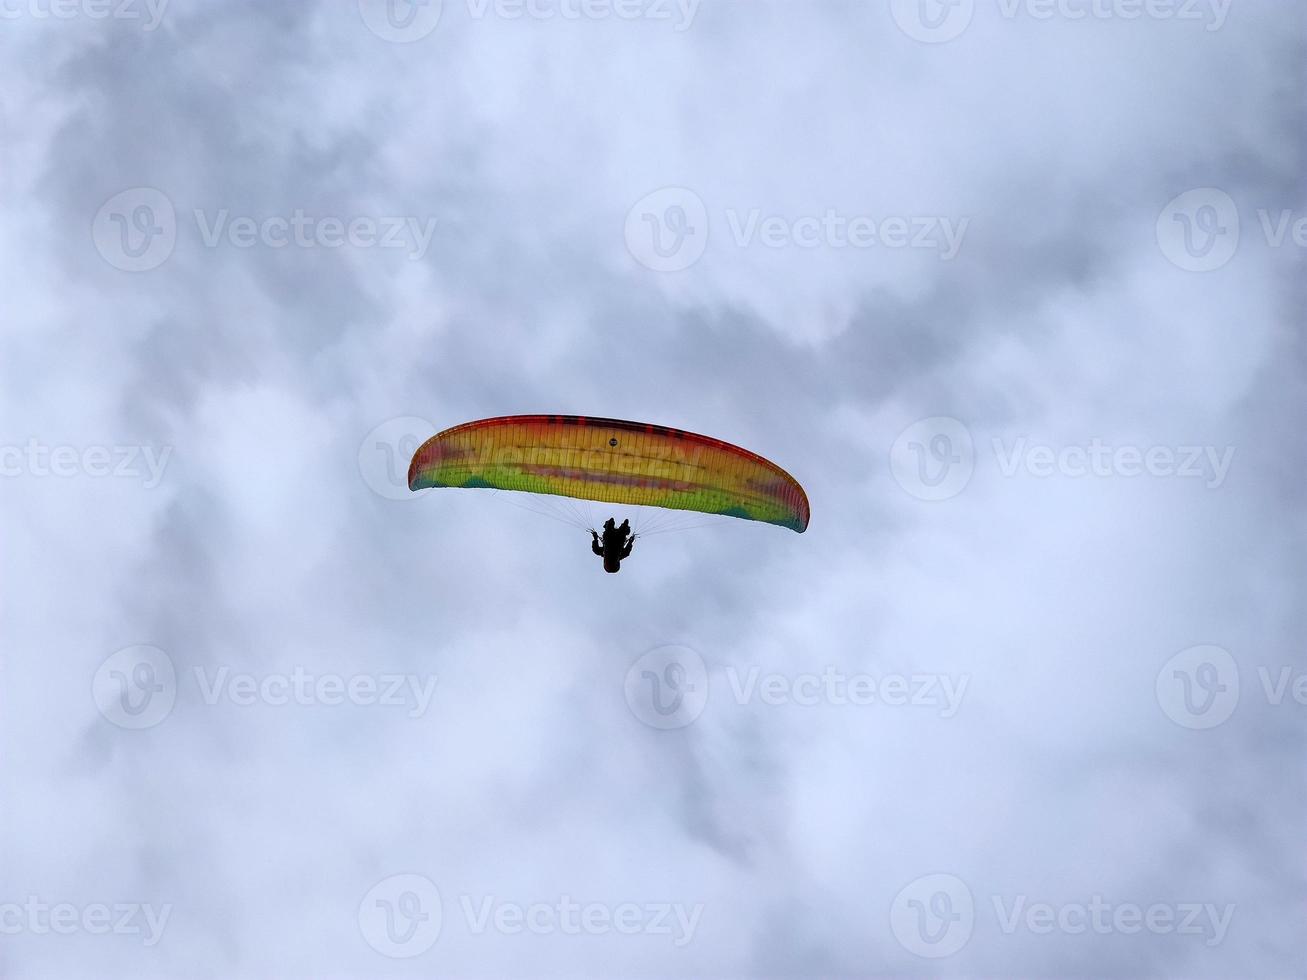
(530, 780)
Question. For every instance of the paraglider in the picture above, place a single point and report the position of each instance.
(616, 544)
(613, 461)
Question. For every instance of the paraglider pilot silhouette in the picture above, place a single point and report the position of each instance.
(614, 546)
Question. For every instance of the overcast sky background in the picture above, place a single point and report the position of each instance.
(926, 398)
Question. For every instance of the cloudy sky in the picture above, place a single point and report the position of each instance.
(1014, 288)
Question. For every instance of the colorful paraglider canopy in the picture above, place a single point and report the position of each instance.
(614, 461)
